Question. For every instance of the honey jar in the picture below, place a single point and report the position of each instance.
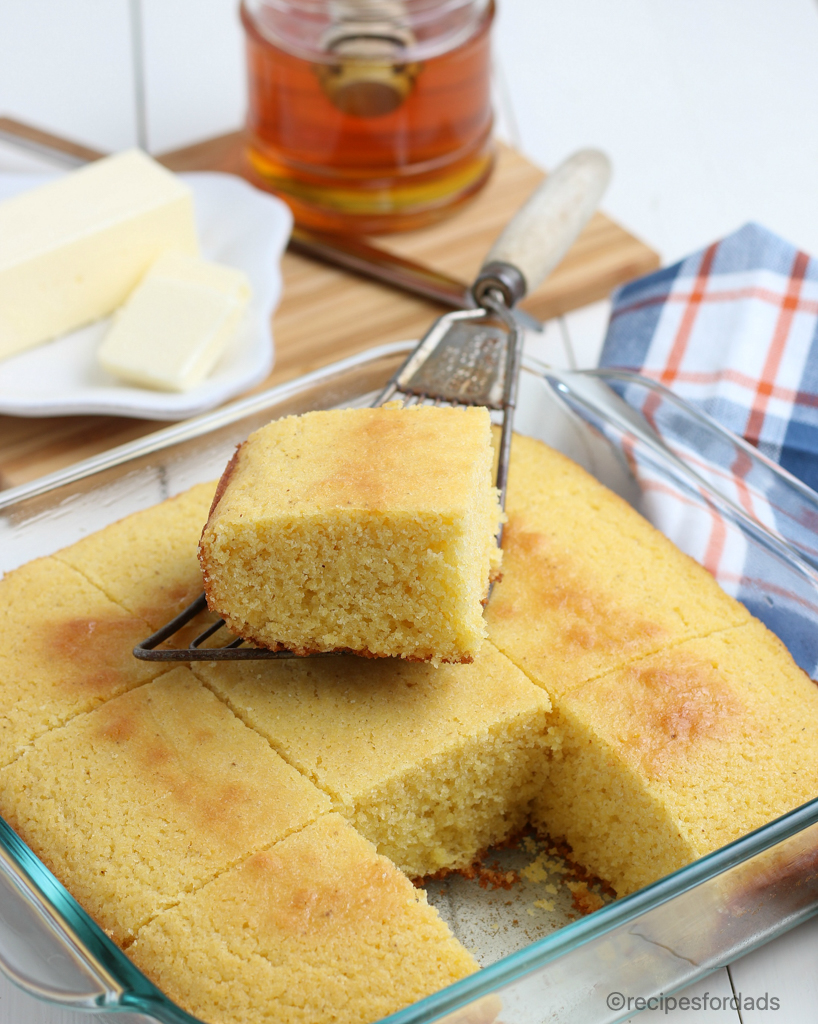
(369, 115)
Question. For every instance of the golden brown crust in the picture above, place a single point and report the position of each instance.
(305, 652)
(590, 620)
(673, 706)
(221, 487)
(224, 481)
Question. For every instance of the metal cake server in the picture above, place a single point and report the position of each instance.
(467, 358)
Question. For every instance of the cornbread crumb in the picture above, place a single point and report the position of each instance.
(150, 796)
(367, 530)
(585, 900)
(431, 765)
(318, 928)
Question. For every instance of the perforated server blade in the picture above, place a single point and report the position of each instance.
(467, 357)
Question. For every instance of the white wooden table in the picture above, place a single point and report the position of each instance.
(709, 109)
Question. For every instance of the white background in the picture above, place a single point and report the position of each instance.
(708, 108)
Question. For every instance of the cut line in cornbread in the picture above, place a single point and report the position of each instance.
(149, 797)
(147, 561)
(64, 649)
(431, 765)
(589, 585)
(366, 530)
(318, 928)
(676, 755)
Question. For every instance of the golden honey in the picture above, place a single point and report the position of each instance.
(370, 115)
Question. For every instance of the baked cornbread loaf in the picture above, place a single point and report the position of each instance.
(679, 722)
(431, 765)
(149, 797)
(318, 928)
(367, 530)
(622, 700)
(64, 649)
(680, 753)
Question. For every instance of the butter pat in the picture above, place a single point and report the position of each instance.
(72, 250)
(172, 330)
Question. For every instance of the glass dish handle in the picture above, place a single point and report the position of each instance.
(778, 507)
(52, 950)
(39, 951)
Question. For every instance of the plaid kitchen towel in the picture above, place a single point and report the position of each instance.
(733, 330)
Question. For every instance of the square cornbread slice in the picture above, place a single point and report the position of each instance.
(318, 928)
(673, 756)
(147, 561)
(367, 530)
(149, 797)
(64, 649)
(588, 584)
(431, 765)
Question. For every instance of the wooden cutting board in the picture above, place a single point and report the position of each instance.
(326, 314)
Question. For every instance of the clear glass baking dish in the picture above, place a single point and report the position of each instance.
(638, 440)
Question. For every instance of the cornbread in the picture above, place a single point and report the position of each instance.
(149, 797)
(64, 649)
(588, 584)
(604, 613)
(216, 820)
(147, 562)
(431, 765)
(676, 755)
(318, 928)
(367, 530)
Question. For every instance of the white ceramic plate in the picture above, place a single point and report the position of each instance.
(239, 226)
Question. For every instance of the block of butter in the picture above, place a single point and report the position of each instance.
(176, 323)
(73, 249)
